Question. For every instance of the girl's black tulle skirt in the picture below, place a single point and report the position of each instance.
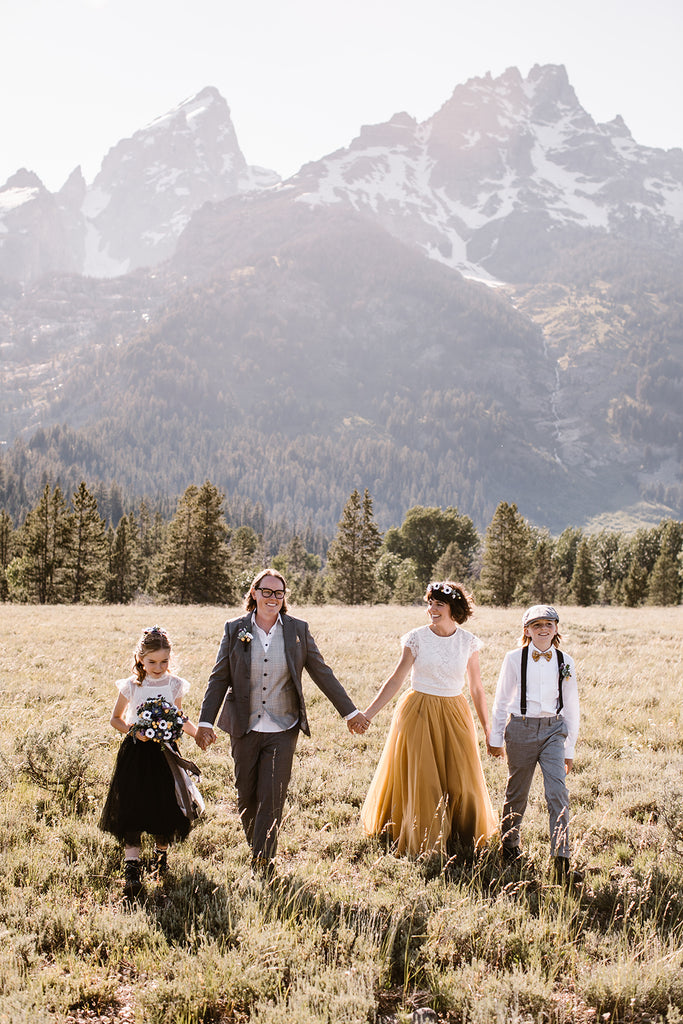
(141, 795)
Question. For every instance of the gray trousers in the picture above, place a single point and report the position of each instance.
(263, 767)
(530, 742)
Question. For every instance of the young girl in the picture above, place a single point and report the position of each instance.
(142, 795)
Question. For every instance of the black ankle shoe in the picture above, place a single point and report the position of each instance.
(562, 874)
(159, 863)
(133, 877)
(511, 854)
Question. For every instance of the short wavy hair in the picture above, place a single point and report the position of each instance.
(459, 600)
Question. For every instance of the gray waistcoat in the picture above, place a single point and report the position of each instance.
(272, 694)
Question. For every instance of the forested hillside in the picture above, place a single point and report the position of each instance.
(344, 359)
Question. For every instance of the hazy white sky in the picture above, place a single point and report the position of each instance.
(302, 76)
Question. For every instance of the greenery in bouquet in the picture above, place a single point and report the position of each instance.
(158, 720)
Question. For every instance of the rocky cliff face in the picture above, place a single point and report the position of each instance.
(35, 236)
(497, 181)
(150, 185)
(134, 211)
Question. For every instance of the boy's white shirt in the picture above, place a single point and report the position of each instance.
(541, 695)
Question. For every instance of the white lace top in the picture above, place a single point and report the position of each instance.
(440, 661)
(171, 688)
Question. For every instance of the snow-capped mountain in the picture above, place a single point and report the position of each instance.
(38, 229)
(562, 391)
(133, 212)
(150, 185)
(497, 176)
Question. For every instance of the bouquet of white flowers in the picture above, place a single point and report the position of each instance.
(158, 720)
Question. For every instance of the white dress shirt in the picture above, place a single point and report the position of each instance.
(541, 695)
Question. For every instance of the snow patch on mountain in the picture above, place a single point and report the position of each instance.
(499, 150)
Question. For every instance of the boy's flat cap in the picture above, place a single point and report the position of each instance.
(540, 611)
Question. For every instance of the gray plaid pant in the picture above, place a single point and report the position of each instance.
(530, 742)
(263, 766)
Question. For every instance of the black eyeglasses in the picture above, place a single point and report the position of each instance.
(267, 592)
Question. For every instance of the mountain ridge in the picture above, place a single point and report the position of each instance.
(317, 334)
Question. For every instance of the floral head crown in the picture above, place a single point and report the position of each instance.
(442, 588)
(154, 631)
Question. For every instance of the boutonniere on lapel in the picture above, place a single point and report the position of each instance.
(565, 672)
(245, 636)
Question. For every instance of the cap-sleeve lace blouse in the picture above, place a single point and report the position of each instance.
(171, 688)
(440, 661)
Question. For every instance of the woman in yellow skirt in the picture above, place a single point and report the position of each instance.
(429, 785)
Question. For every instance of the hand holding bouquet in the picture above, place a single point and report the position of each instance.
(158, 720)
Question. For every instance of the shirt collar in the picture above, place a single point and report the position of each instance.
(278, 622)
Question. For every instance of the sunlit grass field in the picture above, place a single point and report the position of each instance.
(346, 932)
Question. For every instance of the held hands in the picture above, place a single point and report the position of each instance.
(495, 751)
(358, 724)
(204, 736)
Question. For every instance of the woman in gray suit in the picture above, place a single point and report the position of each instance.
(255, 692)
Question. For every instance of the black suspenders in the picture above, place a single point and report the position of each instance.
(560, 663)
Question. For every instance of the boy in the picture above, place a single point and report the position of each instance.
(537, 690)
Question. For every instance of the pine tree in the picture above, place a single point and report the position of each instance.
(176, 579)
(196, 560)
(123, 554)
(542, 582)
(353, 553)
(506, 554)
(85, 562)
(6, 551)
(584, 589)
(45, 541)
(300, 567)
(665, 580)
(212, 582)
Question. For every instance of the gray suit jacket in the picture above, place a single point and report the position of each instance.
(228, 687)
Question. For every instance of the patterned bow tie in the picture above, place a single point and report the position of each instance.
(541, 654)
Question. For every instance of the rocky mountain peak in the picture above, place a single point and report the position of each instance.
(147, 189)
(23, 179)
(74, 188)
(491, 181)
(150, 185)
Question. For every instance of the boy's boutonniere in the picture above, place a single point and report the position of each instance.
(565, 672)
(245, 636)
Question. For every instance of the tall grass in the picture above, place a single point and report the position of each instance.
(346, 931)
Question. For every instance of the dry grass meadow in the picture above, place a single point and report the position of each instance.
(346, 932)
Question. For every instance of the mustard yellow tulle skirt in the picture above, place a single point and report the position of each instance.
(429, 785)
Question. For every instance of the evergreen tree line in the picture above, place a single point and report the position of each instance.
(64, 552)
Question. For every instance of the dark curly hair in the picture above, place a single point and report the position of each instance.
(460, 602)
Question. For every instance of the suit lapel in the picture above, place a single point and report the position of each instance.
(291, 644)
(245, 623)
